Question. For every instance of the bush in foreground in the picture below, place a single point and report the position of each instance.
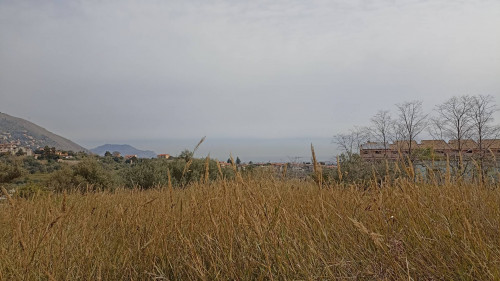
(88, 174)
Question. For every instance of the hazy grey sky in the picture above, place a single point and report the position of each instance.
(145, 71)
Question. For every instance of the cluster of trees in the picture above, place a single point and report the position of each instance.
(91, 172)
(230, 161)
(459, 118)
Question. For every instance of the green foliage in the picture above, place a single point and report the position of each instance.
(20, 152)
(62, 179)
(145, 174)
(30, 190)
(132, 160)
(113, 163)
(92, 172)
(10, 170)
(186, 154)
(355, 170)
(33, 165)
(87, 174)
(48, 153)
(148, 173)
(423, 154)
(97, 173)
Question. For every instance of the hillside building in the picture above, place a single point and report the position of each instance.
(438, 149)
(13, 148)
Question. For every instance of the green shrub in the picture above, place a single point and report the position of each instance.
(10, 171)
(88, 174)
(148, 173)
(30, 190)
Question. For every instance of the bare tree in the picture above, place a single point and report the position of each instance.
(352, 141)
(481, 114)
(382, 128)
(410, 123)
(453, 119)
(436, 128)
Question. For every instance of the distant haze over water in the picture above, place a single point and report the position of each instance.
(248, 149)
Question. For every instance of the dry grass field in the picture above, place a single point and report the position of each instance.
(260, 228)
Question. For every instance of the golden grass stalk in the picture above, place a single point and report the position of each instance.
(397, 170)
(410, 170)
(63, 205)
(406, 167)
(7, 195)
(479, 172)
(493, 156)
(219, 168)
(460, 164)
(237, 174)
(376, 238)
(374, 175)
(419, 176)
(190, 161)
(448, 170)
(318, 174)
(496, 164)
(400, 155)
(387, 172)
(431, 174)
(19, 235)
(169, 177)
(207, 169)
(186, 167)
(199, 143)
(339, 170)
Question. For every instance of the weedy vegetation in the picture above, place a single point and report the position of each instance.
(258, 226)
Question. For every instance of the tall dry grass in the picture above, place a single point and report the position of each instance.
(257, 228)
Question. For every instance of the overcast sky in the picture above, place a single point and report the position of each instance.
(144, 72)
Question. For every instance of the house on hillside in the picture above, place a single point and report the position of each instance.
(8, 148)
(13, 148)
(61, 153)
(130, 159)
(163, 156)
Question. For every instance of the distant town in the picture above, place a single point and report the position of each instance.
(296, 169)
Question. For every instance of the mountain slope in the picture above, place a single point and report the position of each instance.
(31, 135)
(124, 149)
